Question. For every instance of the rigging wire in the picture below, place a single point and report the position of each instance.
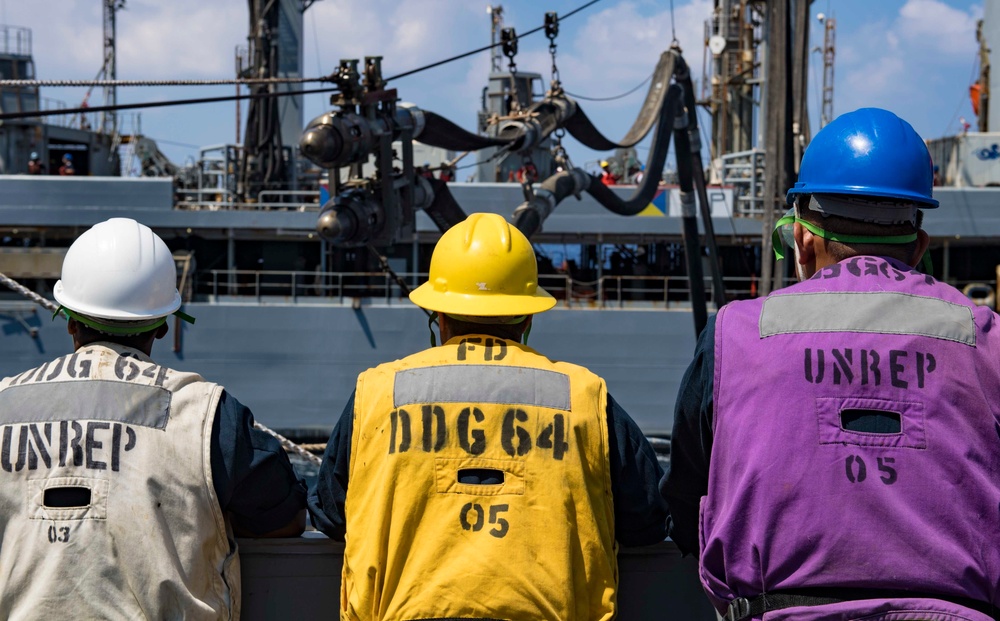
(486, 47)
(319, 63)
(49, 305)
(625, 94)
(157, 104)
(230, 81)
(174, 143)
(180, 102)
(961, 99)
(673, 28)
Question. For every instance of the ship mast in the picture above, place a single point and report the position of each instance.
(109, 122)
(496, 25)
(758, 103)
(984, 79)
(829, 51)
(733, 35)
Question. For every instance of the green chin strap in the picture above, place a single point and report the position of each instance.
(118, 330)
(778, 241)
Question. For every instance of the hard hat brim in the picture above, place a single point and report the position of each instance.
(495, 304)
(866, 192)
(61, 296)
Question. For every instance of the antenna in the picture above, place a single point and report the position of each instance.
(496, 25)
(110, 120)
(829, 50)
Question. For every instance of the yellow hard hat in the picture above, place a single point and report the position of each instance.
(483, 267)
(604, 163)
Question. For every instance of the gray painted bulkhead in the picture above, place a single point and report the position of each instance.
(296, 365)
(965, 213)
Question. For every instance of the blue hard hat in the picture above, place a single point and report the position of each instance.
(867, 153)
(68, 156)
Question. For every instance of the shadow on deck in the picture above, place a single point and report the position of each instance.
(300, 578)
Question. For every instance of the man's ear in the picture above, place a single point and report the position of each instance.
(162, 330)
(805, 244)
(923, 240)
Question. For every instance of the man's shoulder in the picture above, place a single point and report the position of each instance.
(577, 371)
(391, 366)
(34, 373)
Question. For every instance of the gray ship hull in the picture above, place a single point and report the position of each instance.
(295, 365)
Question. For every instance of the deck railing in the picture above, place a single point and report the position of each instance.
(221, 199)
(662, 292)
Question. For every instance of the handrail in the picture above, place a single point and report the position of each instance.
(608, 291)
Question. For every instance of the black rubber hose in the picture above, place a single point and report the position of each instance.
(580, 127)
(440, 132)
(528, 217)
(654, 164)
(540, 120)
(698, 175)
(444, 210)
(689, 228)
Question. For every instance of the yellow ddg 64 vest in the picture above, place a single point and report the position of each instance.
(533, 539)
(107, 505)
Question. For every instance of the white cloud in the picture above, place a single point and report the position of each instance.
(870, 80)
(406, 33)
(917, 63)
(180, 39)
(620, 45)
(936, 26)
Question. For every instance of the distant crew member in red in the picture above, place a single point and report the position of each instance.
(608, 177)
(67, 165)
(35, 166)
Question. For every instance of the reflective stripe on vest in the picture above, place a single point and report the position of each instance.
(476, 383)
(479, 488)
(104, 464)
(877, 312)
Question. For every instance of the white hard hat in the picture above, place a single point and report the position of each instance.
(119, 270)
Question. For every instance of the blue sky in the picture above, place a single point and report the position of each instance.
(915, 57)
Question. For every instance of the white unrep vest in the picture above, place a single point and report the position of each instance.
(107, 505)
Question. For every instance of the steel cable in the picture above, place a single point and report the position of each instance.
(231, 81)
(181, 102)
(486, 47)
(47, 304)
(6, 116)
(625, 94)
(28, 293)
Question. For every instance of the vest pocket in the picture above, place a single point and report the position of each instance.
(863, 421)
(479, 476)
(68, 498)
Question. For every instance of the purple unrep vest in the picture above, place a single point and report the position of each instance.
(799, 497)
